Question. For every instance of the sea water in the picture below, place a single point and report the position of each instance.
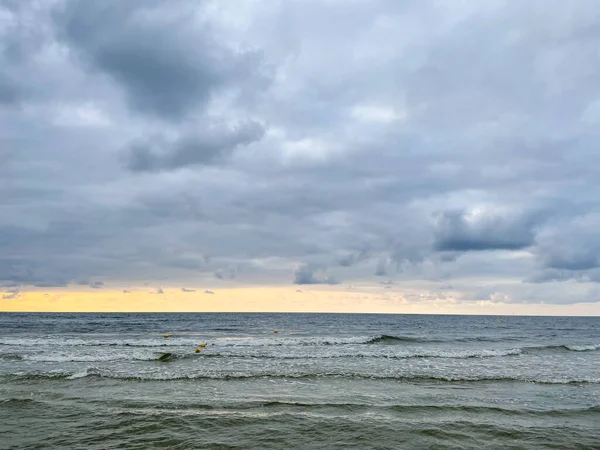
(113, 381)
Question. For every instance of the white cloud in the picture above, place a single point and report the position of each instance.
(378, 113)
(80, 115)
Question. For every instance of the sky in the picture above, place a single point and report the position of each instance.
(443, 150)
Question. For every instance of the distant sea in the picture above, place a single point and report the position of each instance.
(323, 381)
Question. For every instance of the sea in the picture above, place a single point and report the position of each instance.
(322, 381)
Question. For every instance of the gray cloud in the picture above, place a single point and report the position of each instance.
(166, 62)
(305, 274)
(382, 267)
(353, 258)
(187, 290)
(11, 295)
(409, 138)
(580, 259)
(455, 232)
(222, 274)
(203, 147)
(208, 292)
(50, 283)
(569, 250)
(10, 91)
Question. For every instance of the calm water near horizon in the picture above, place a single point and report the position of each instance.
(112, 381)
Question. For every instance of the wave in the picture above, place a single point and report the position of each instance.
(388, 339)
(10, 357)
(158, 376)
(170, 356)
(17, 401)
(450, 354)
(58, 358)
(583, 348)
(403, 347)
(242, 341)
(354, 407)
(69, 342)
(565, 347)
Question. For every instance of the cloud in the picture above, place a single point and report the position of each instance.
(204, 147)
(351, 259)
(382, 267)
(208, 292)
(165, 59)
(187, 290)
(569, 250)
(223, 274)
(435, 143)
(50, 284)
(159, 291)
(10, 91)
(305, 274)
(459, 232)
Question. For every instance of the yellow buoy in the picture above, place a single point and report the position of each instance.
(165, 335)
(197, 350)
(275, 331)
(202, 345)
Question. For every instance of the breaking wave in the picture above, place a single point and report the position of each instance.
(157, 376)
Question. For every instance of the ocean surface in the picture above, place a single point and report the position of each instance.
(324, 381)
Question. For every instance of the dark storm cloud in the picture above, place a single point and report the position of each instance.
(427, 133)
(167, 63)
(457, 233)
(204, 147)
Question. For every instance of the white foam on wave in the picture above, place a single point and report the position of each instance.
(407, 376)
(239, 341)
(583, 348)
(73, 357)
(382, 352)
(82, 374)
(78, 342)
(293, 341)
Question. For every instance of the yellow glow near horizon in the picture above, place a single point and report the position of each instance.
(268, 299)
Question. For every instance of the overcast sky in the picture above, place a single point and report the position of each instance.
(450, 145)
